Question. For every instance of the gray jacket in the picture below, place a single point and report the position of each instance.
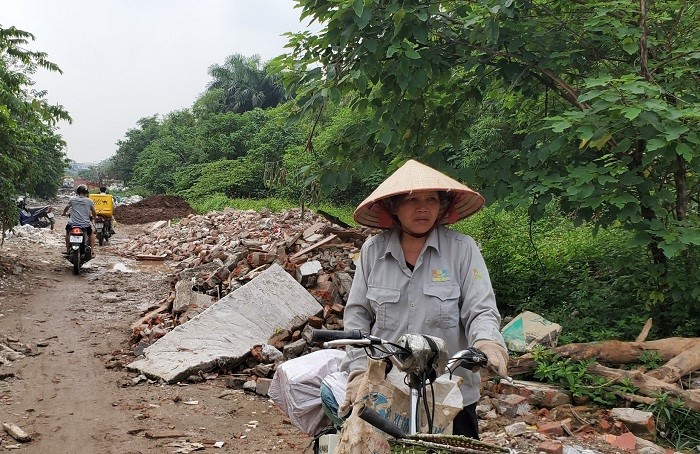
(448, 295)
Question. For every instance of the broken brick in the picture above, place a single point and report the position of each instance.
(551, 447)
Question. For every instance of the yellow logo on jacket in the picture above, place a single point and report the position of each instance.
(440, 275)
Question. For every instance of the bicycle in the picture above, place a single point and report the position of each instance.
(422, 358)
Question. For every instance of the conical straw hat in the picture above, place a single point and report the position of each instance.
(410, 177)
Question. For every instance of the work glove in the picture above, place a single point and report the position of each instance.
(496, 355)
(354, 381)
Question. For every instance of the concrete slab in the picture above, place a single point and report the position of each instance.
(228, 330)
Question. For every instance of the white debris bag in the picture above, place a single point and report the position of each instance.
(296, 387)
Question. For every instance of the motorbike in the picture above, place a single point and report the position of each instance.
(80, 250)
(103, 229)
(38, 217)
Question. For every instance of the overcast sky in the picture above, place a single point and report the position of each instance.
(127, 59)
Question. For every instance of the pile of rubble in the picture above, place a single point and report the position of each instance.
(151, 209)
(221, 251)
(15, 262)
(11, 349)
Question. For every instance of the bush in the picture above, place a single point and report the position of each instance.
(218, 202)
(240, 177)
(597, 285)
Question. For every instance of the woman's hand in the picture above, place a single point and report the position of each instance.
(496, 355)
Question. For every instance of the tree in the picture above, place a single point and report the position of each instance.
(31, 156)
(243, 83)
(174, 147)
(122, 164)
(613, 129)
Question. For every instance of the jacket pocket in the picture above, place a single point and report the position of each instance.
(445, 299)
(383, 301)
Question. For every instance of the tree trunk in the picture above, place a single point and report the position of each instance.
(681, 194)
(611, 352)
(682, 364)
(647, 385)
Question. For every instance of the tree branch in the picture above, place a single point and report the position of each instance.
(643, 49)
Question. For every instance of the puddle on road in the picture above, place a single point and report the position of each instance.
(135, 266)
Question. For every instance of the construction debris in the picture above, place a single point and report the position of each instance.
(225, 332)
(16, 432)
(221, 251)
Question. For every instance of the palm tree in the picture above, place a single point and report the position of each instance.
(246, 84)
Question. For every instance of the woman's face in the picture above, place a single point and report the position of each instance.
(418, 211)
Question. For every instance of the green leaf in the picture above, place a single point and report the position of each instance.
(394, 48)
(690, 236)
(385, 137)
(585, 97)
(655, 144)
(492, 31)
(412, 54)
(358, 6)
(343, 180)
(328, 182)
(631, 112)
(683, 149)
(630, 47)
(397, 17)
(672, 249)
(561, 126)
(364, 19)
(675, 130)
(600, 143)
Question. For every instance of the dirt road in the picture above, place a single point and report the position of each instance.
(71, 392)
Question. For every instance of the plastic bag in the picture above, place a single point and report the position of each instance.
(390, 397)
(295, 388)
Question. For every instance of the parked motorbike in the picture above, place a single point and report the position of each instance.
(38, 217)
(80, 250)
(103, 229)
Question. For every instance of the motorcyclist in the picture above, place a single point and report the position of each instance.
(110, 221)
(82, 210)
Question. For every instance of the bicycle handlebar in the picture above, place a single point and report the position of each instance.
(325, 335)
(471, 359)
(371, 416)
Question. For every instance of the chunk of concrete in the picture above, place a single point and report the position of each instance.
(226, 331)
(185, 297)
(637, 421)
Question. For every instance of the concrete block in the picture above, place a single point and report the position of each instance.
(227, 330)
(537, 394)
(639, 422)
(515, 429)
(511, 405)
(262, 386)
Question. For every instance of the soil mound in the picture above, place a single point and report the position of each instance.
(151, 209)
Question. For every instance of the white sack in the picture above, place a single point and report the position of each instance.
(295, 388)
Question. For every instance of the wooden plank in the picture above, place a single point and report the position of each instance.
(151, 257)
(162, 308)
(308, 249)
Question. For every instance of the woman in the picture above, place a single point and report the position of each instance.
(421, 277)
